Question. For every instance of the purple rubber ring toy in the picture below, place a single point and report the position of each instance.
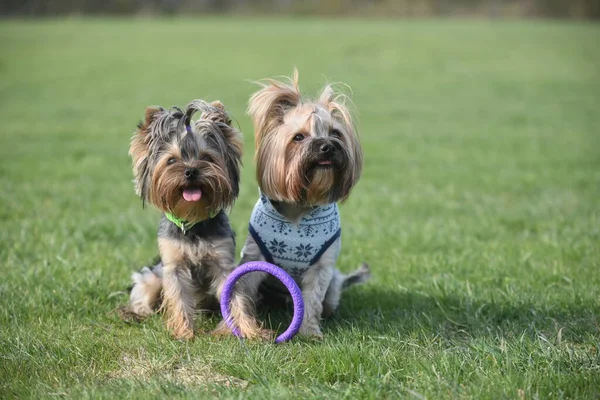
(278, 273)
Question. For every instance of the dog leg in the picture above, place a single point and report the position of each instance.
(315, 282)
(179, 301)
(179, 297)
(244, 296)
(242, 308)
(333, 294)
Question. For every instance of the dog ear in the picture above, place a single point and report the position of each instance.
(233, 140)
(335, 104)
(151, 113)
(218, 104)
(268, 106)
(215, 117)
(139, 150)
(218, 113)
(233, 155)
(209, 111)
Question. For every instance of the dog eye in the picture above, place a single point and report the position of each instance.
(335, 134)
(171, 161)
(299, 137)
(206, 157)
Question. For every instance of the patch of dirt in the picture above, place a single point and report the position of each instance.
(187, 373)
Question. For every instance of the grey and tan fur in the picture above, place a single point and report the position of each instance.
(307, 155)
(172, 158)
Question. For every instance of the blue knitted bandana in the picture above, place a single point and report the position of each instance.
(294, 247)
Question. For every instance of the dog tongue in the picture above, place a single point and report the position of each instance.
(192, 194)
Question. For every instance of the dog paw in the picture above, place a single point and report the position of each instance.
(127, 314)
(253, 334)
(187, 335)
(311, 332)
(265, 334)
(221, 330)
(183, 334)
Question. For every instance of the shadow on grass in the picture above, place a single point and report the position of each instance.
(375, 310)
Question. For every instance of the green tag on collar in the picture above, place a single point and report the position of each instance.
(183, 224)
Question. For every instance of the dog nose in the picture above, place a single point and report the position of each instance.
(326, 148)
(191, 173)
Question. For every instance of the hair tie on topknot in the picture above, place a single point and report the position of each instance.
(195, 105)
(188, 127)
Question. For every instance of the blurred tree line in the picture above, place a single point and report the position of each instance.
(576, 9)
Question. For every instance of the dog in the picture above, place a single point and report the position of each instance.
(308, 158)
(190, 172)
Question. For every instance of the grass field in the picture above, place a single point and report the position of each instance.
(478, 210)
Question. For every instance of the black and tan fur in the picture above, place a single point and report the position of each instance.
(171, 154)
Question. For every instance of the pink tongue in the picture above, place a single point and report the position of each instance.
(192, 194)
(325, 162)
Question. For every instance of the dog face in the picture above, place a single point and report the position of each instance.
(188, 169)
(307, 152)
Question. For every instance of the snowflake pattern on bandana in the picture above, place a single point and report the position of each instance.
(294, 247)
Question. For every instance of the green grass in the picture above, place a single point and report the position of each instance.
(478, 210)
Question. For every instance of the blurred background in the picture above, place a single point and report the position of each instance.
(477, 209)
(576, 9)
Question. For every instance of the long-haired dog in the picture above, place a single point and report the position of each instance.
(308, 158)
(190, 171)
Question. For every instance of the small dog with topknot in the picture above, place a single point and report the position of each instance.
(308, 158)
(190, 171)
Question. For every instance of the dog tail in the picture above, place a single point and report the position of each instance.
(361, 275)
(145, 292)
(341, 281)
(155, 267)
